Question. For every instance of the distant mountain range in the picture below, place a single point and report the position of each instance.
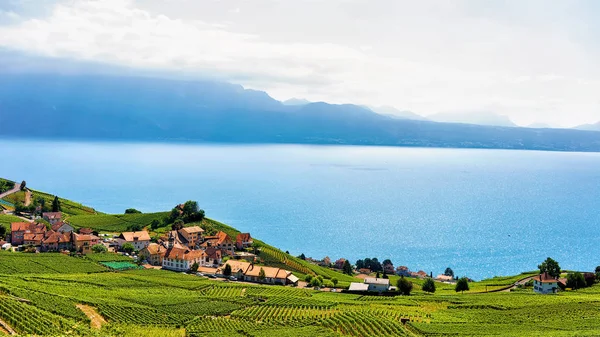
(479, 118)
(149, 109)
(589, 127)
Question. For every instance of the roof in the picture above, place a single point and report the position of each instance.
(19, 226)
(355, 286)
(213, 253)
(402, 268)
(222, 237)
(192, 230)
(293, 278)
(155, 248)
(545, 278)
(85, 231)
(52, 215)
(238, 266)
(444, 277)
(135, 236)
(55, 237)
(374, 280)
(84, 237)
(243, 237)
(33, 237)
(270, 272)
(182, 253)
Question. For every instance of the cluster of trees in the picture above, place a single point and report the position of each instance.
(373, 264)
(132, 211)
(38, 206)
(319, 281)
(575, 280)
(188, 212)
(404, 286)
(6, 185)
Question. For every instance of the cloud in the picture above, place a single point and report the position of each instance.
(422, 56)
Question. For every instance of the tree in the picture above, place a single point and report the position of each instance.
(99, 248)
(261, 274)
(2, 232)
(23, 185)
(194, 267)
(347, 268)
(334, 281)
(385, 275)
(575, 280)
(377, 275)
(462, 284)
(132, 211)
(155, 224)
(227, 270)
(387, 261)
(428, 285)
(597, 269)
(315, 282)
(128, 247)
(177, 225)
(302, 256)
(404, 286)
(551, 267)
(360, 264)
(449, 272)
(136, 227)
(55, 204)
(308, 278)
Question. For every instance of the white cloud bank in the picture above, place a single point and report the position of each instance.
(425, 57)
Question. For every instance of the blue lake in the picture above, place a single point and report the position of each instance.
(480, 212)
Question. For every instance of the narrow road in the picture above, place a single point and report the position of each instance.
(6, 328)
(16, 189)
(96, 320)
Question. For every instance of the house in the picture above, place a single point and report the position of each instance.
(419, 274)
(62, 227)
(444, 278)
(388, 268)
(56, 241)
(20, 232)
(377, 284)
(546, 284)
(52, 217)
(85, 231)
(33, 239)
(365, 271)
(251, 273)
(139, 240)
(222, 241)
(154, 254)
(403, 271)
(339, 264)
(211, 257)
(83, 242)
(179, 239)
(243, 240)
(180, 258)
(193, 235)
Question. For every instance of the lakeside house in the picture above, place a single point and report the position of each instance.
(445, 278)
(243, 240)
(52, 217)
(339, 263)
(251, 273)
(139, 240)
(181, 258)
(56, 242)
(193, 235)
(371, 284)
(18, 230)
(544, 283)
(37, 235)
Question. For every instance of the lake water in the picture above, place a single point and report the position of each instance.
(480, 212)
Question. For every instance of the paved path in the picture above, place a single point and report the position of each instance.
(16, 189)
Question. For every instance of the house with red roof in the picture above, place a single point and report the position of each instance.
(52, 217)
(243, 240)
(544, 283)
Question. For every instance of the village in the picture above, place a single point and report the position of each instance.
(190, 250)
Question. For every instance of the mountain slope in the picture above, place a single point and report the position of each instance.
(589, 127)
(393, 112)
(131, 108)
(479, 118)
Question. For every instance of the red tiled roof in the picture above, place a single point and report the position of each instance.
(52, 215)
(85, 231)
(54, 237)
(545, 278)
(19, 226)
(243, 237)
(222, 237)
(135, 236)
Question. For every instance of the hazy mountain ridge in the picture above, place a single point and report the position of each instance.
(133, 108)
(589, 127)
(479, 118)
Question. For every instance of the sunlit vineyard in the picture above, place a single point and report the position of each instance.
(40, 295)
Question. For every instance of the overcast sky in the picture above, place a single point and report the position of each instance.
(535, 61)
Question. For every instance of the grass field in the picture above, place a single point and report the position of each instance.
(44, 301)
(68, 207)
(115, 222)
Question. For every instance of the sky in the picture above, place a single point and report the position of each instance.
(533, 61)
